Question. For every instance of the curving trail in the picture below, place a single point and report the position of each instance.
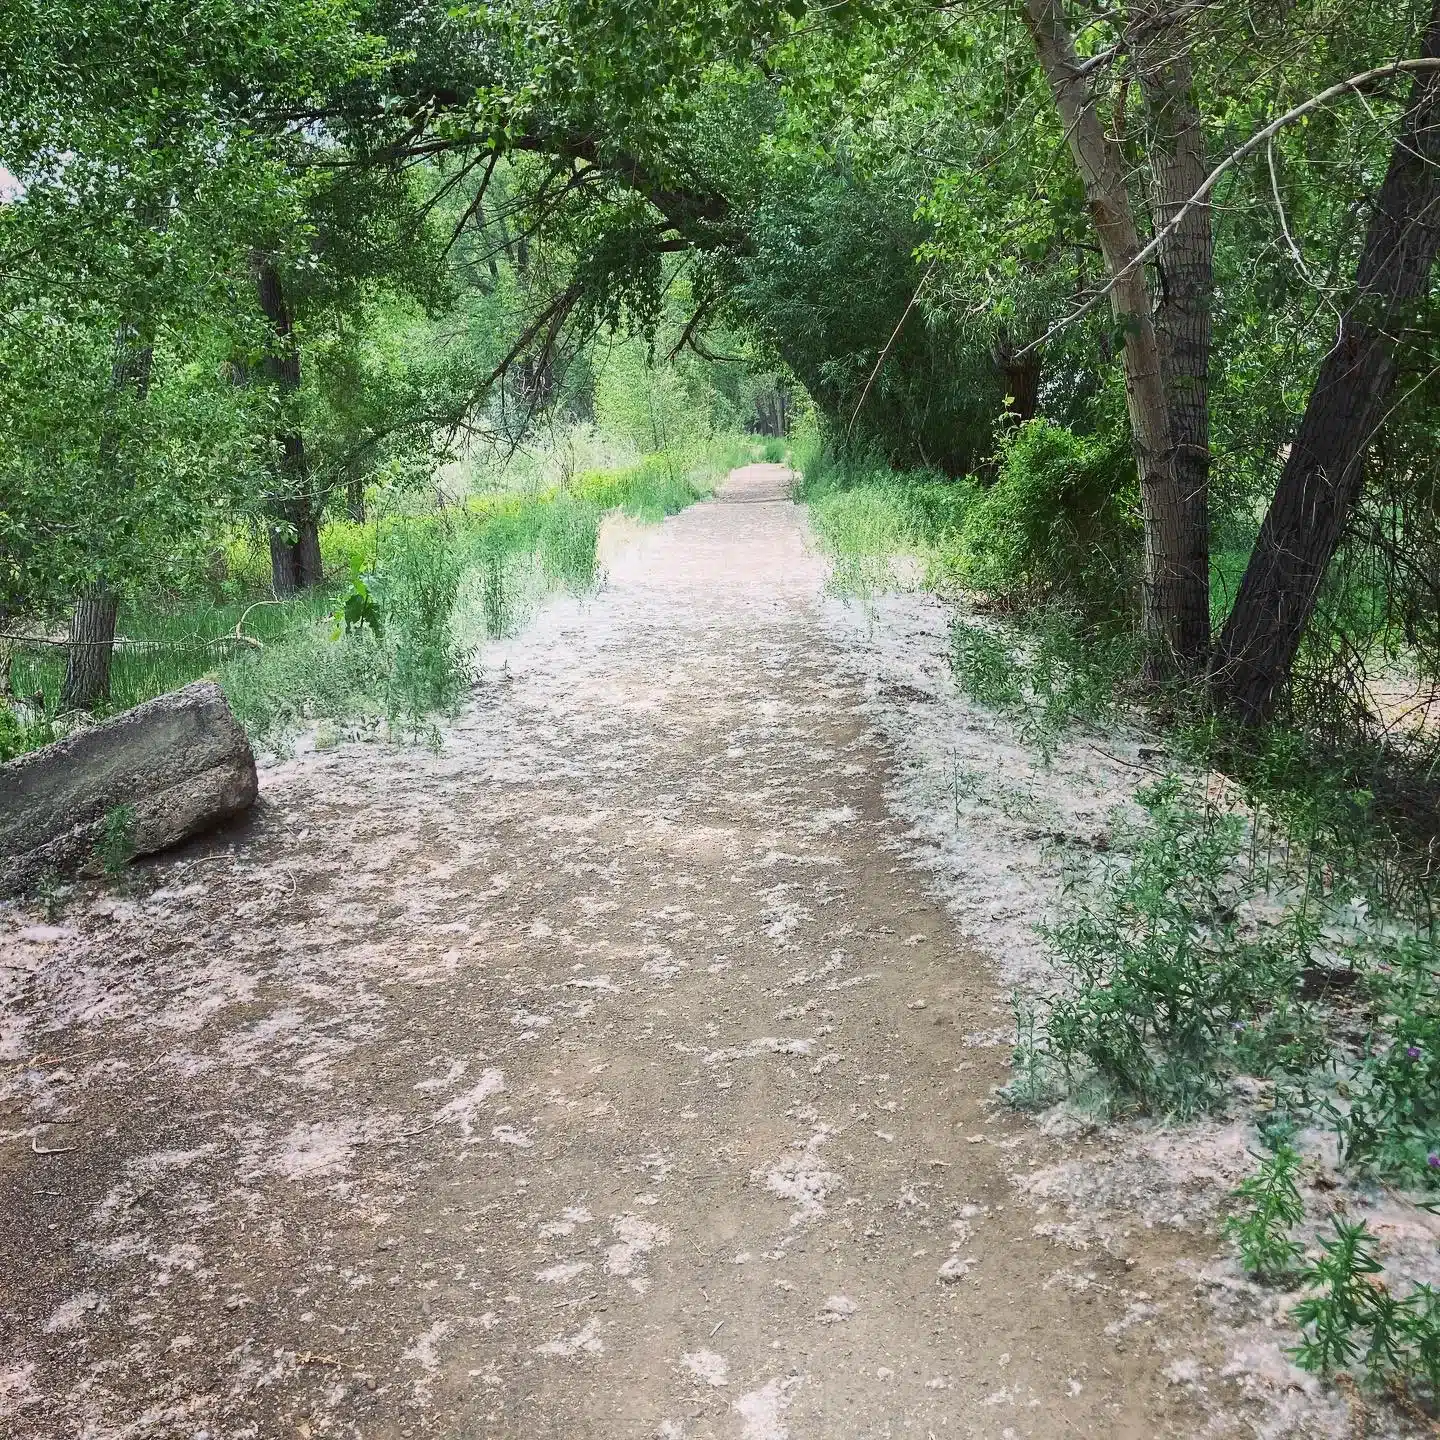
(599, 1076)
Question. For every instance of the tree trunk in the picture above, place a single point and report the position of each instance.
(1175, 147)
(355, 491)
(294, 536)
(1324, 472)
(1021, 377)
(92, 644)
(92, 626)
(178, 764)
(1174, 593)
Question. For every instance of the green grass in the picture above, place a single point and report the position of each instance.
(442, 581)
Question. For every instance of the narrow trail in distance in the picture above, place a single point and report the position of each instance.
(600, 1075)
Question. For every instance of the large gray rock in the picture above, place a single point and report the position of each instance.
(181, 763)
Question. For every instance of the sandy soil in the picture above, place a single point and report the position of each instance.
(613, 1072)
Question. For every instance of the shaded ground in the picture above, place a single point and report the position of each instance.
(602, 1075)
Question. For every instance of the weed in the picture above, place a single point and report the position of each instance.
(17, 735)
(274, 692)
(773, 451)
(495, 596)
(1272, 1207)
(50, 892)
(1032, 1086)
(359, 608)
(422, 582)
(1049, 674)
(1391, 1126)
(567, 541)
(983, 665)
(115, 847)
(1159, 977)
(1352, 1314)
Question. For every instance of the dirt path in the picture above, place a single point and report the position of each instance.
(599, 1076)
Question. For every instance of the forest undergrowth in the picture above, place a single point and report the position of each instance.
(1256, 939)
(387, 643)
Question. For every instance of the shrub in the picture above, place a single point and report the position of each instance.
(306, 676)
(1352, 1314)
(1058, 521)
(1051, 672)
(1271, 1207)
(1391, 1126)
(1159, 979)
(567, 540)
(420, 574)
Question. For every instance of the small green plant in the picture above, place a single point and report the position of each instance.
(1050, 672)
(359, 608)
(495, 595)
(1391, 1125)
(17, 736)
(1160, 978)
(1270, 1208)
(567, 541)
(773, 452)
(115, 847)
(983, 665)
(430, 670)
(1031, 1086)
(50, 892)
(1352, 1315)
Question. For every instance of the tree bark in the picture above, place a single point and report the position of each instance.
(92, 644)
(1021, 377)
(91, 652)
(295, 529)
(1175, 148)
(1324, 472)
(178, 764)
(1174, 592)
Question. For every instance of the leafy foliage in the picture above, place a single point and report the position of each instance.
(1270, 1208)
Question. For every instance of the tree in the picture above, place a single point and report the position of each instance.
(1165, 389)
(1324, 474)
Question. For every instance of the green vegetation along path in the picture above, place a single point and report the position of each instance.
(600, 1075)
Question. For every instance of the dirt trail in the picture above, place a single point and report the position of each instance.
(599, 1076)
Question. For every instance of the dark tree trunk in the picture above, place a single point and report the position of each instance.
(1020, 376)
(92, 644)
(294, 534)
(1324, 472)
(355, 492)
(1175, 148)
(92, 626)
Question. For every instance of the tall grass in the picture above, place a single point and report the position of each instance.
(445, 579)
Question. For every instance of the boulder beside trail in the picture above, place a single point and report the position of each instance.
(180, 763)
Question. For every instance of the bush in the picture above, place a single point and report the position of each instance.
(420, 579)
(1271, 1206)
(306, 676)
(1059, 521)
(567, 539)
(1051, 673)
(1351, 1314)
(1161, 980)
(1391, 1126)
